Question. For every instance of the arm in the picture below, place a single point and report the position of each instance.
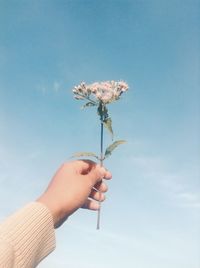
(28, 236)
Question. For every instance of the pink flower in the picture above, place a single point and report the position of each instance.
(106, 92)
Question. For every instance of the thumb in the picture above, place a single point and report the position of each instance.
(92, 170)
(97, 173)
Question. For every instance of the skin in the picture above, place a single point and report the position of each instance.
(76, 184)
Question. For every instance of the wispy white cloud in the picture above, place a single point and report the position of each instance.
(178, 186)
(188, 199)
(56, 86)
(49, 87)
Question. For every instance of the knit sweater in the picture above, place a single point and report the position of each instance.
(26, 237)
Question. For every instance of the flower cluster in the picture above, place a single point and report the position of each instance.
(105, 92)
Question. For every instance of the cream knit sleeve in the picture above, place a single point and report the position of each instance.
(26, 237)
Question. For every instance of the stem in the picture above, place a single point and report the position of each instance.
(101, 163)
(87, 98)
(101, 158)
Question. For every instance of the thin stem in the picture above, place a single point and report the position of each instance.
(87, 98)
(101, 158)
(101, 163)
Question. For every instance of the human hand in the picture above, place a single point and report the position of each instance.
(76, 184)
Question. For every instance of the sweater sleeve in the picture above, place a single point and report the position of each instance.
(26, 237)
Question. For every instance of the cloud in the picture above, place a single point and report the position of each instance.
(178, 186)
(44, 88)
(56, 86)
(188, 199)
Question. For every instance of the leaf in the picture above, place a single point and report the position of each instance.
(87, 154)
(88, 104)
(108, 124)
(112, 147)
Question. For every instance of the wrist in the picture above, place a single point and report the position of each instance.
(53, 208)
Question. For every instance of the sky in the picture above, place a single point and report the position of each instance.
(150, 218)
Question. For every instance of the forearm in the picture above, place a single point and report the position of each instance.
(27, 237)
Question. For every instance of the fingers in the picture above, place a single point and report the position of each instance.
(101, 186)
(98, 173)
(85, 166)
(93, 170)
(91, 204)
(108, 175)
(96, 195)
(95, 173)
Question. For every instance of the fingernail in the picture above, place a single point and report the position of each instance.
(109, 175)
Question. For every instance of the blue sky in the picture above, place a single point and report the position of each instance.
(151, 215)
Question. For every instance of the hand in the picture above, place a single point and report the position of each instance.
(71, 187)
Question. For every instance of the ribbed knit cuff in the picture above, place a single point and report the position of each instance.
(30, 232)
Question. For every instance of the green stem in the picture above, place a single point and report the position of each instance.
(101, 157)
(101, 107)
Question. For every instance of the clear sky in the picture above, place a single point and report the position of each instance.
(151, 216)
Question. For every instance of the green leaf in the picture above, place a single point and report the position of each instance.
(88, 104)
(108, 124)
(112, 147)
(87, 154)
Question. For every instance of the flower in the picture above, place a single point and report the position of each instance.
(105, 92)
(100, 94)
